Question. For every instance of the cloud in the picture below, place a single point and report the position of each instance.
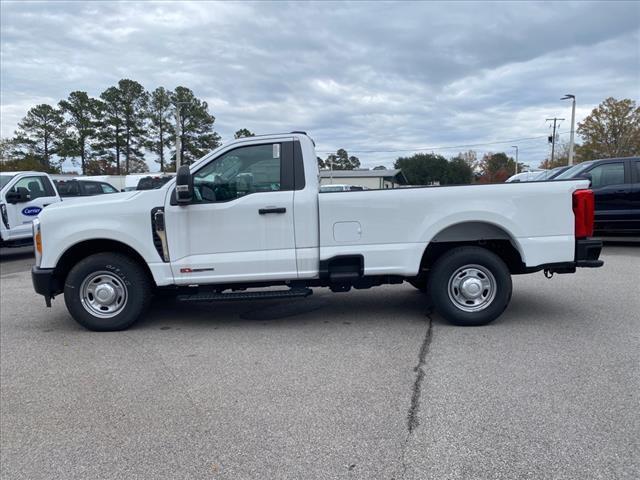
(363, 76)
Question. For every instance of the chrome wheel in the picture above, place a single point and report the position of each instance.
(103, 294)
(472, 288)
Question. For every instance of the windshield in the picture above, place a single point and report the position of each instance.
(4, 179)
(573, 171)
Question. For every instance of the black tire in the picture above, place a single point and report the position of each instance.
(462, 263)
(127, 280)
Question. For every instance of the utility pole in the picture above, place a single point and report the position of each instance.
(573, 121)
(553, 137)
(516, 147)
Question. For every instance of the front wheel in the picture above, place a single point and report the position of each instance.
(107, 292)
(470, 286)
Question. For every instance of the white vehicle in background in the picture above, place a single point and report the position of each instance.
(23, 195)
(131, 181)
(249, 215)
(529, 176)
(341, 188)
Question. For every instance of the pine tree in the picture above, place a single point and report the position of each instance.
(160, 132)
(133, 99)
(40, 134)
(83, 112)
(111, 130)
(243, 133)
(196, 125)
(342, 161)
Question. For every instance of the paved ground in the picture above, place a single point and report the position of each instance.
(359, 385)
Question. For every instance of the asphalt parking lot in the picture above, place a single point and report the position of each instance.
(359, 385)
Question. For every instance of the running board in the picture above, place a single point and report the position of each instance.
(259, 295)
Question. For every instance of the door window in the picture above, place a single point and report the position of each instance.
(67, 188)
(37, 186)
(607, 174)
(240, 172)
(106, 188)
(92, 188)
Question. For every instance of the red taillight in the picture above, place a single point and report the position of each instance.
(583, 209)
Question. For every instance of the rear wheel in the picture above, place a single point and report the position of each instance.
(470, 286)
(107, 292)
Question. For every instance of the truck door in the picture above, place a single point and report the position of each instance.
(239, 226)
(20, 215)
(611, 189)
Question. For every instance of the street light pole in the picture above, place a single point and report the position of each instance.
(516, 147)
(573, 120)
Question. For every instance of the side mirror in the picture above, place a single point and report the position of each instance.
(19, 195)
(184, 185)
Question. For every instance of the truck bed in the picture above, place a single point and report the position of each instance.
(392, 227)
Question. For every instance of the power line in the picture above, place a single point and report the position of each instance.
(470, 145)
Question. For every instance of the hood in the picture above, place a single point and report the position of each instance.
(96, 199)
(122, 202)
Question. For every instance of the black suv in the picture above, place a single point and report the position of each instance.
(616, 186)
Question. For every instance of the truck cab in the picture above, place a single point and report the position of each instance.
(23, 195)
(250, 215)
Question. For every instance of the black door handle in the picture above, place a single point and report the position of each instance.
(264, 211)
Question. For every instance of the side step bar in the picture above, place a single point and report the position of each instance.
(259, 295)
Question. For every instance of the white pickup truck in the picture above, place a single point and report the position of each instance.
(23, 195)
(250, 216)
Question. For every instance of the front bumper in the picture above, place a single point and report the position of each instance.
(45, 283)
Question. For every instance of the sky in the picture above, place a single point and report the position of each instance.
(381, 80)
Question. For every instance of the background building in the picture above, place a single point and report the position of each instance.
(373, 179)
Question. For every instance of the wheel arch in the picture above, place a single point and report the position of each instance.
(85, 248)
(479, 233)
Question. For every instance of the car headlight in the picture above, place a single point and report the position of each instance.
(37, 240)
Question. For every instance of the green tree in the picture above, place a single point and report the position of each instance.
(134, 99)
(342, 161)
(424, 168)
(497, 167)
(161, 132)
(380, 167)
(7, 149)
(459, 172)
(611, 130)
(196, 126)
(321, 163)
(111, 133)
(40, 133)
(83, 113)
(242, 133)
(27, 162)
